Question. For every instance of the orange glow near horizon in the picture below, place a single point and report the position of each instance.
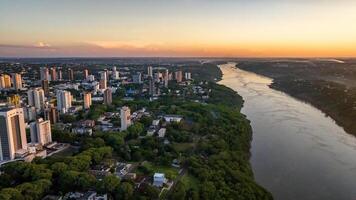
(272, 28)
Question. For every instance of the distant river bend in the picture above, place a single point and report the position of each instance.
(297, 152)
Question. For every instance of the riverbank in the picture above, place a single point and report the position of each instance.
(315, 86)
(295, 147)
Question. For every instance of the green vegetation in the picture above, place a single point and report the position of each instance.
(211, 145)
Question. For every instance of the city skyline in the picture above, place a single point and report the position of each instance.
(189, 28)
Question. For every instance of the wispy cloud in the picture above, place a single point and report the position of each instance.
(39, 45)
(42, 45)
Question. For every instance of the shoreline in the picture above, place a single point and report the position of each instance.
(306, 90)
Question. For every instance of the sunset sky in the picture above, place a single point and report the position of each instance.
(241, 28)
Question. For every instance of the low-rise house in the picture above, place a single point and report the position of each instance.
(173, 118)
(82, 131)
(155, 122)
(122, 169)
(151, 131)
(86, 123)
(162, 132)
(131, 176)
(159, 179)
(89, 195)
(52, 197)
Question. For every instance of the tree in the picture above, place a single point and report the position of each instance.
(85, 181)
(179, 191)
(5, 180)
(34, 190)
(124, 191)
(58, 168)
(80, 163)
(88, 143)
(67, 118)
(11, 194)
(67, 180)
(109, 184)
(135, 130)
(146, 121)
(150, 191)
(115, 140)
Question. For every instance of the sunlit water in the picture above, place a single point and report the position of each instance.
(297, 152)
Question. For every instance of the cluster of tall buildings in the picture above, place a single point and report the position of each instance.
(13, 137)
(163, 77)
(51, 74)
(11, 82)
(43, 107)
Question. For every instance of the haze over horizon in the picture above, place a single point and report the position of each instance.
(187, 28)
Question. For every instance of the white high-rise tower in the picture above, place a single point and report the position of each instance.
(64, 101)
(125, 115)
(12, 133)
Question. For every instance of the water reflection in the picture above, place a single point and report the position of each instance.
(297, 152)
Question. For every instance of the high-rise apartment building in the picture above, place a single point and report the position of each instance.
(178, 76)
(125, 115)
(41, 131)
(85, 74)
(187, 76)
(87, 100)
(44, 73)
(64, 101)
(137, 78)
(60, 75)
(53, 74)
(157, 77)
(12, 133)
(108, 97)
(70, 74)
(36, 98)
(151, 86)
(149, 71)
(5, 81)
(115, 74)
(166, 78)
(45, 86)
(29, 113)
(17, 81)
(51, 114)
(103, 80)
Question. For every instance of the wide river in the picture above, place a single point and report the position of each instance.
(298, 153)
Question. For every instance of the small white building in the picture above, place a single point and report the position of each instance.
(173, 118)
(155, 122)
(162, 132)
(159, 179)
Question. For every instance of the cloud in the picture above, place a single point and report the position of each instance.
(42, 45)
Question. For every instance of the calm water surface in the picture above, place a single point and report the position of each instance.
(297, 152)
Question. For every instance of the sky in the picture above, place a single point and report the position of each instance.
(178, 28)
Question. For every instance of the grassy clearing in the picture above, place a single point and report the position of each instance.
(183, 147)
(170, 172)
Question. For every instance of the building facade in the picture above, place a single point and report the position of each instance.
(64, 101)
(17, 81)
(12, 133)
(87, 100)
(125, 116)
(41, 131)
(108, 97)
(36, 98)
